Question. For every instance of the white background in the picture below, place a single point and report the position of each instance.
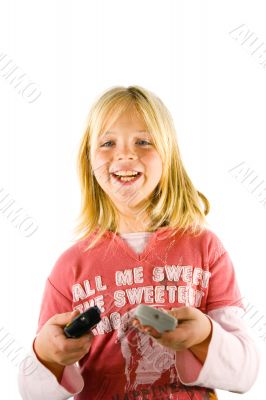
(213, 86)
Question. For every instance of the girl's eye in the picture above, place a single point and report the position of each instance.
(103, 145)
(145, 142)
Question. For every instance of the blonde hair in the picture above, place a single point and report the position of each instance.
(175, 203)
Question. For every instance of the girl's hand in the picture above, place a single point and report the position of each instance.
(53, 347)
(194, 328)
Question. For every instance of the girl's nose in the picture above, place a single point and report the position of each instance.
(125, 152)
(127, 156)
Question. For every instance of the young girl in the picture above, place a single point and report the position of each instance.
(144, 241)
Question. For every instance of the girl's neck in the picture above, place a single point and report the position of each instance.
(133, 226)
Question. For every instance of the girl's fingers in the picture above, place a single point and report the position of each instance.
(184, 334)
(183, 313)
(152, 332)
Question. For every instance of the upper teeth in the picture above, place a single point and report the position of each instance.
(125, 173)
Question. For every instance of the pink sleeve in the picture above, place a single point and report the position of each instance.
(232, 361)
(36, 382)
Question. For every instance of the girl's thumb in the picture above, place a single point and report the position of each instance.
(73, 314)
(64, 318)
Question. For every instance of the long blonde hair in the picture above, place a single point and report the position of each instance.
(175, 203)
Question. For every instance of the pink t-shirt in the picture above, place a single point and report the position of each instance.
(155, 269)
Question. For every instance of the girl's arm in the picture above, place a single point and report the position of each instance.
(40, 382)
(232, 360)
(56, 369)
(36, 382)
(201, 350)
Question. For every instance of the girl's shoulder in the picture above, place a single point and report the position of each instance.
(207, 242)
(206, 236)
(73, 254)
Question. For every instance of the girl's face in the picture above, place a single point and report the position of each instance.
(127, 148)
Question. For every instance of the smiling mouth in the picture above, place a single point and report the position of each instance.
(126, 179)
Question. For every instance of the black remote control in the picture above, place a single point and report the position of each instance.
(83, 323)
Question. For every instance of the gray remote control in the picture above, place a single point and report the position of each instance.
(159, 320)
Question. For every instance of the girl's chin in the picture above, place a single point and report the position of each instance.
(128, 203)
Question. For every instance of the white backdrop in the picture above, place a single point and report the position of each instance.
(205, 59)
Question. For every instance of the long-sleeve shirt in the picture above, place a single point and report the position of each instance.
(122, 272)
